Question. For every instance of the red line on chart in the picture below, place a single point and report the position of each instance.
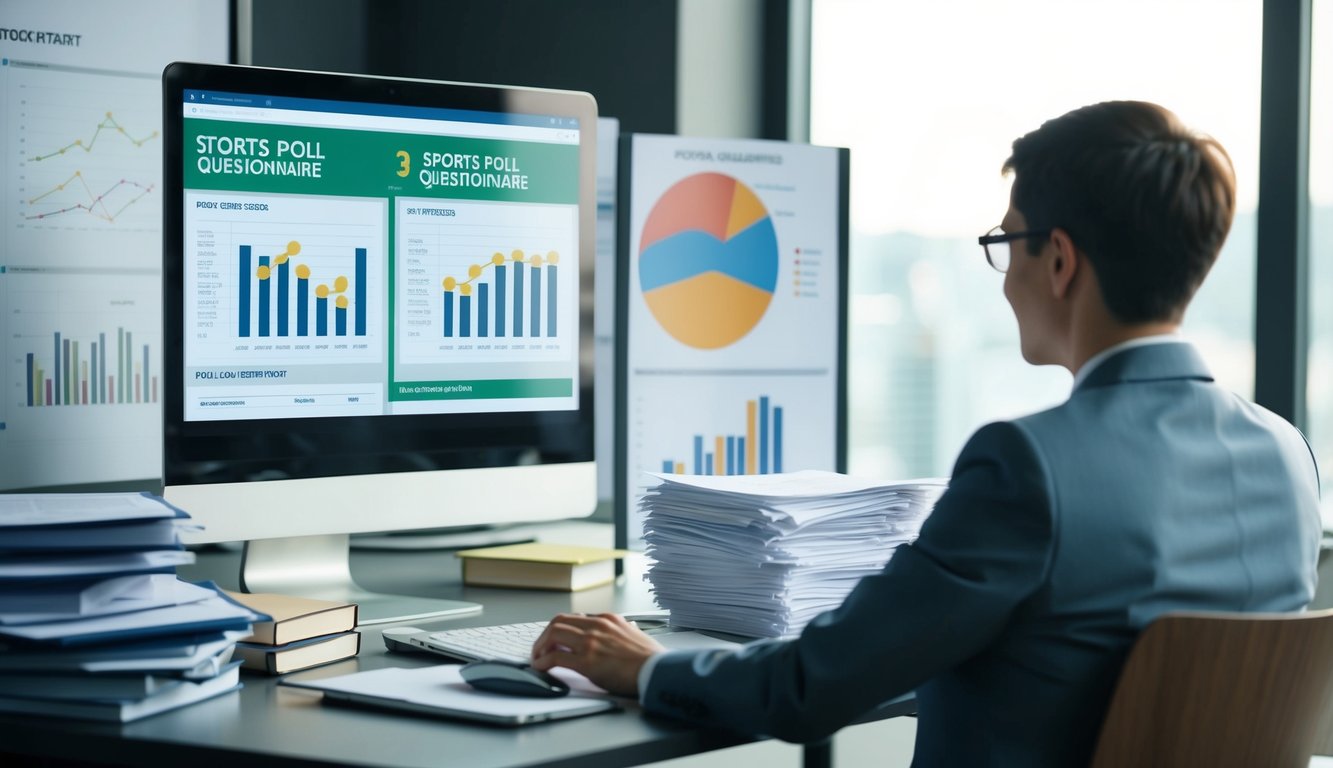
(95, 202)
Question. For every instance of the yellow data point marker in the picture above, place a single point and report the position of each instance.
(517, 255)
(474, 271)
(465, 289)
(280, 259)
(303, 271)
(552, 257)
(293, 248)
(537, 260)
(340, 284)
(450, 283)
(322, 291)
(341, 302)
(498, 259)
(263, 272)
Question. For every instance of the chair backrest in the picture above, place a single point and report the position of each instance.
(1222, 689)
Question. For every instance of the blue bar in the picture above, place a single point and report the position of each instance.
(243, 293)
(321, 316)
(740, 455)
(499, 300)
(118, 396)
(465, 315)
(708, 463)
(92, 374)
(518, 300)
(550, 299)
(339, 320)
(483, 307)
(101, 346)
(731, 455)
(777, 439)
(264, 298)
(302, 306)
(667, 467)
(30, 372)
(145, 373)
(448, 313)
(698, 454)
(763, 435)
(360, 289)
(56, 377)
(127, 385)
(536, 301)
(283, 290)
(69, 368)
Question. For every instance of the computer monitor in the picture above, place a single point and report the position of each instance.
(376, 313)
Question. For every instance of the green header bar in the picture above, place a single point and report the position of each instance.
(248, 157)
(482, 389)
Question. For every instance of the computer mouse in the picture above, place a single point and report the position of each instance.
(512, 679)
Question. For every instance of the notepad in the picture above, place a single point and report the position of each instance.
(440, 691)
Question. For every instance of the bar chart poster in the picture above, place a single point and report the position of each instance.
(728, 425)
(83, 367)
(284, 279)
(733, 309)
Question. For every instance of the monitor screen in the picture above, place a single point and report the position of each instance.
(377, 302)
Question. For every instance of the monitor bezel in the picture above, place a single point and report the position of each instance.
(304, 448)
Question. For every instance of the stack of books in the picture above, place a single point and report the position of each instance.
(94, 623)
(302, 632)
(762, 555)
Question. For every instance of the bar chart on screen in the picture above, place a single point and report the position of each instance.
(478, 282)
(279, 278)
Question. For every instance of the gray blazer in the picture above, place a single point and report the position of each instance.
(1061, 535)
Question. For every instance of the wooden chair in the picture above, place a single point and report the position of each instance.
(1222, 689)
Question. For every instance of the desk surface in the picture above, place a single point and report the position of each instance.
(265, 724)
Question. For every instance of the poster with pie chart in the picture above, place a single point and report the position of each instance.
(731, 312)
(708, 260)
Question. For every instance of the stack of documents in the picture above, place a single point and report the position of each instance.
(762, 555)
(94, 623)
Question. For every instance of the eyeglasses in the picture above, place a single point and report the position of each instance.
(996, 245)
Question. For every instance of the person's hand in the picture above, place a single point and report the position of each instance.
(605, 648)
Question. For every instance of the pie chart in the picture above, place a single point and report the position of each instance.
(708, 260)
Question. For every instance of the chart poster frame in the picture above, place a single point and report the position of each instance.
(731, 311)
(81, 251)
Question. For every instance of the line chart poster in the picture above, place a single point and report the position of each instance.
(80, 232)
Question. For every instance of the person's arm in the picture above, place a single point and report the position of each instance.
(939, 601)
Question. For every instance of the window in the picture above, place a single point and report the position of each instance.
(1319, 367)
(929, 107)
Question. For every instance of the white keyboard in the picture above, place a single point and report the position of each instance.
(506, 642)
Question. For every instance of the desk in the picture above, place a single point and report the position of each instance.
(264, 724)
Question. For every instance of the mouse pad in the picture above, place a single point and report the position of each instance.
(440, 690)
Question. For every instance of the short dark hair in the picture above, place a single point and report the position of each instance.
(1148, 200)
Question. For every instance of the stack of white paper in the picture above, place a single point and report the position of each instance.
(94, 623)
(762, 555)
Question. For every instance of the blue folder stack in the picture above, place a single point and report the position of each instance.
(94, 623)
(763, 555)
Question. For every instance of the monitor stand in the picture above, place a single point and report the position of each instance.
(317, 566)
